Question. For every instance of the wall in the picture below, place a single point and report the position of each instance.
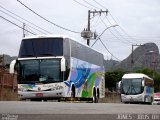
(8, 86)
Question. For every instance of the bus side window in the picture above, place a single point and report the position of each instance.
(66, 73)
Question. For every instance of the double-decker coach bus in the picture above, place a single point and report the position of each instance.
(137, 87)
(58, 67)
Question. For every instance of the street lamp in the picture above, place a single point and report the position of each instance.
(146, 53)
(106, 29)
(103, 33)
(154, 61)
(151, 52)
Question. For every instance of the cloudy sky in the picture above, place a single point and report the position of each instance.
(138, 20)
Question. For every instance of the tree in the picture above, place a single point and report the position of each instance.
(153, 74)
(111, 78)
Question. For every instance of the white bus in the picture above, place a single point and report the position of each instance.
(137, 87)
(58, 67)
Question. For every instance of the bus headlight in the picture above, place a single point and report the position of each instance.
(21, 89)
(57, 88)
(52, 89)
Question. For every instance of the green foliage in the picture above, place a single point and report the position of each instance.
(157, 82)
(146, 71)
(155, 75)
(111, 78)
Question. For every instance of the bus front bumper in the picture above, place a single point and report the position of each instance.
(40, 94)
(132, 98)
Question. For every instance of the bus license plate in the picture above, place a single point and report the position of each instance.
(39, 94)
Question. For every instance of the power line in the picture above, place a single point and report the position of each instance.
(112, 32)
(121, 28)
(28, 28)
(115, 20)
(108, 50)
(142, 40)
(82, 4)
(87, 34)
(104, 31)
(118, 31)
(47, 19)
(99, 37)
(96, 23)
(99, 4)
(105, 24)
(90, 4)
(102, 34)
(21, 21)
(16, 25)
(24, 19)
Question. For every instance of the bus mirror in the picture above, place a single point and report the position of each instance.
(119, 86)
(63, 65)
(143, 83)
(12, 67)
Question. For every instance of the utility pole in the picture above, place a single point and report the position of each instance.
(2, 62)
(87, 33)
(24, 25)
(133, 45)
(88, 28)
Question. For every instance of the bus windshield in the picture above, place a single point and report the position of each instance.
(39, 71)
(132, 86)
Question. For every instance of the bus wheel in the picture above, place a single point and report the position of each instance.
(97, 95)
(73, 92)
(94, 99)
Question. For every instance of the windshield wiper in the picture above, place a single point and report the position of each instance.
(132, 88)
(128, 90)
(28, 55)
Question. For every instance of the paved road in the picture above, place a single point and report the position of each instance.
(77, 111)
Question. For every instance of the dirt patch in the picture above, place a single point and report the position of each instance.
(8, 94)
(111, 97)
(8, 87)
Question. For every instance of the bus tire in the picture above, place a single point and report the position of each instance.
(94, 99)
(98, 94)
(73, 92)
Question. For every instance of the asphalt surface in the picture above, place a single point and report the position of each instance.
(17, 110)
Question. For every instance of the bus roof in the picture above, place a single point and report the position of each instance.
(135, 75)
(59, 36)
(47, 36)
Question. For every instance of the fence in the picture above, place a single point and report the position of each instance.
(8, 86)
(111, 97)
